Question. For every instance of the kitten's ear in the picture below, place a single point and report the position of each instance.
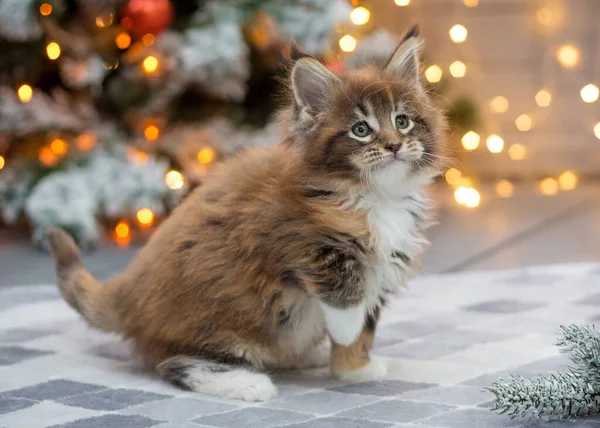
(405, 60)
(311, 83)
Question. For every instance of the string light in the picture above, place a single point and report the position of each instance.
(360, 16)
(524, 122)
(568, 180)
(25, 93)
(597, 130)
(47, 157)
(458, 33)
(104, 21)
(458, 69)
(544, 16)
(402, 2)
(467, 196)
(151, 132)
(517, 152)
(568, 56)
(46, 9)
(122, 229)
(549, 186)
(138, 156)
(452, 176)
(470, 140)
(433, 74)
(206, 155)
(494, 143)
(505, 188)
(543, 98)
(148, 39)
(85, 142)
(58, 146)
(123, 40)
(347, 43)
(589, 93)
(174, 180)
(471, 3)
(150, 64)
(145, 217)
(499, 104)
(122, 234)
(53, 50)
(2, 162)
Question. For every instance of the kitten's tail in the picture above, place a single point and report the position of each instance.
(84, 293)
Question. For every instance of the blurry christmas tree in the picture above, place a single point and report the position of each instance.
(112, 110)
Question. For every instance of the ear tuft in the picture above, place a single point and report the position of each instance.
(405, 60)
(311, 84)
(296, 52)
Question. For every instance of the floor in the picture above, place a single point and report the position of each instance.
(526, 229)
(442, 342)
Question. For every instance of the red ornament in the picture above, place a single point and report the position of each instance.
(336, 67)
(141, 17)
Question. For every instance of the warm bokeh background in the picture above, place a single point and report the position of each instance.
(112, 110)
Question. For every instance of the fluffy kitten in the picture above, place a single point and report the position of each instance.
(283, 247)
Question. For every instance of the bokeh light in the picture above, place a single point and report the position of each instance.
(360, 15)
(206, 155)
(499, 104)
(433, 74)
(549, 186)
(568, 180)
(505, 188)
(517, 152)
(458, 69)
(470, 140)
(174, 180)
(145, 217)
(494, 143)
(458, 33)
(25, 93)
(543, 98)
(589, 93)
(568, 56)
(524, 122)
(347, 43)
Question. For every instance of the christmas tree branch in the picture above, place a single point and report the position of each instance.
(559, 395)
(563, 395)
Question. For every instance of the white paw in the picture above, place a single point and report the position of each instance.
(374, 370)
(344, 325)
(257, 387)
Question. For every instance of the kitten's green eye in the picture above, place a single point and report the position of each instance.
(402, 121)
(361, 130)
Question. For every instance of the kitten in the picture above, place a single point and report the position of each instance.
(283, 247)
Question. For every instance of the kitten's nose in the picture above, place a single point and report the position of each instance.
(393, 147)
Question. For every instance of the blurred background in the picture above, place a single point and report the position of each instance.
(111, 111)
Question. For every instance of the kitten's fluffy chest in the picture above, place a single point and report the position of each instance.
(395, 240)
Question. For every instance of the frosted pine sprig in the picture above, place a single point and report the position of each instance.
(562, 395)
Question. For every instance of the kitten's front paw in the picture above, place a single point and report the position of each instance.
(375, 369)
(256, 387)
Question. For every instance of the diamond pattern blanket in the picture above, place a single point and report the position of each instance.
(443, 341)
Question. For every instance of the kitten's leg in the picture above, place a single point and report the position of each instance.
(218, 379)
(354, 362)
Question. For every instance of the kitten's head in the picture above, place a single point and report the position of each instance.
(371, 126)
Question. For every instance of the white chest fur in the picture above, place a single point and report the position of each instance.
(396, 240)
